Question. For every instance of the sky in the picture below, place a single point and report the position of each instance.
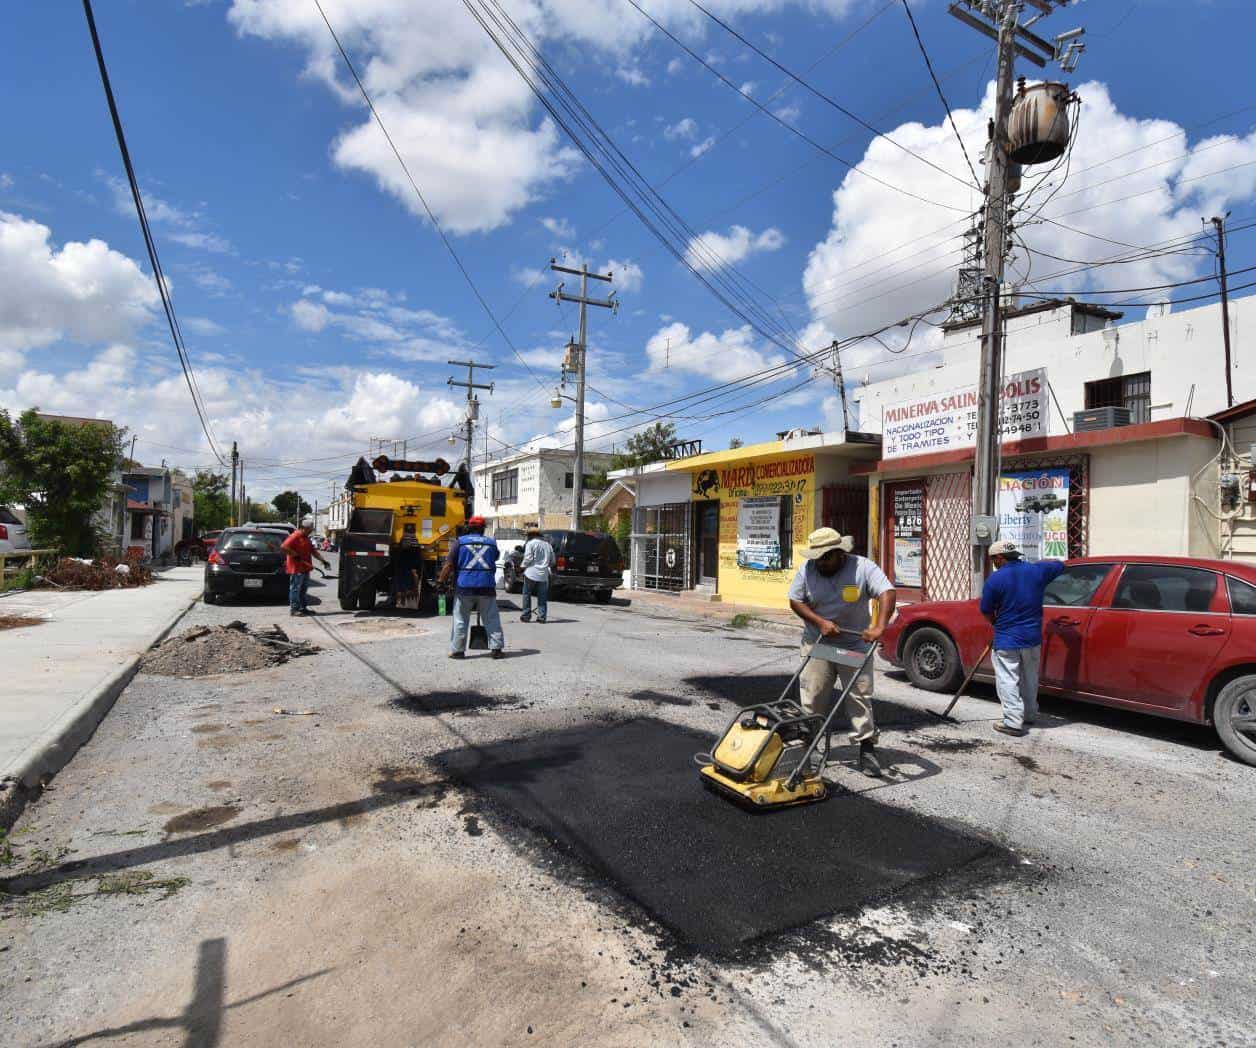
(320, 304)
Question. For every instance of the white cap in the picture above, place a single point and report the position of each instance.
(307, 522)
(1005, 548)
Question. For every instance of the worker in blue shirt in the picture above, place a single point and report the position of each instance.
(1012, 600)
(472, 562)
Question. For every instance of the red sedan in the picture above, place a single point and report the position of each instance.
(1170, 636)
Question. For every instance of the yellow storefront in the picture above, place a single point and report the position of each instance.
(753, 507)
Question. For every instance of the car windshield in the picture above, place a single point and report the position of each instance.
(582, 543)
(7, 517)
(252, 541)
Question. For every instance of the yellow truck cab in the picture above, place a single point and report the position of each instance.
(399, 531)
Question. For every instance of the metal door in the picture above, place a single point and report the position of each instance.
(707, 535)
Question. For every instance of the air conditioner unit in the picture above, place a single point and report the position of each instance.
(1100, 418)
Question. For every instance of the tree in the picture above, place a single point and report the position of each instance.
(211, 505)
(650, 445)
(260, 513)
(61, 472)
(290, 506)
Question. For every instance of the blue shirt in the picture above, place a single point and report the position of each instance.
(475, 557)
(1013, 594)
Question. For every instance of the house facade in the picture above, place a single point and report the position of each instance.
(533, 487)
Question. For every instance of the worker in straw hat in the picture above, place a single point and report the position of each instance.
(831, 594)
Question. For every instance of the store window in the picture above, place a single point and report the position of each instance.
(1124, 391)
(765, 532)
(506, 486)
(570, 478)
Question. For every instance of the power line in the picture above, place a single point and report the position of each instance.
(829, 100)
(176, 333)
(924, 53)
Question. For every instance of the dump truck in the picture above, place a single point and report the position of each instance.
(399, 530)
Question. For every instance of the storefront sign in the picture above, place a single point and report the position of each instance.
(781, 477)
(945, 421)
(909, 531)
(1033, 512)
(759, 533)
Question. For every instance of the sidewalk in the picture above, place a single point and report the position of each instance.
(62, 676)
(687, 603)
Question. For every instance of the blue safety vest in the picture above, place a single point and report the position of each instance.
(477, 562)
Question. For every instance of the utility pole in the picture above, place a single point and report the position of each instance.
(241, 509)
(840, 383)
(581, 346)
(473, 405)
(235, 466)
(1218, 223)
(1013, 38)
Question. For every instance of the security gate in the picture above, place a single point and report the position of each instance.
(660, 546)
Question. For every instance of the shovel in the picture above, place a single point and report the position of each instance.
(479, 635)
(967, 681)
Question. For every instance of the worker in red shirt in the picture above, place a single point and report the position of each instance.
(299, 550)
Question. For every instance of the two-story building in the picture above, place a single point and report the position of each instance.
(534, 487)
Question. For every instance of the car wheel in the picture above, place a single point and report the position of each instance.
(511, 578)
(1234, 717)
(931, 660)
(603, 596)
(209, 598)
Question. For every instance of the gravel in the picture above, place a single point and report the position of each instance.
(234, 648)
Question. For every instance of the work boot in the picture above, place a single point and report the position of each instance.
(1006, 729)
(526, 618)
(498, 653)
(456, 655)
(868, 763)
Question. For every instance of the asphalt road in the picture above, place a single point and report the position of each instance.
(504, 852)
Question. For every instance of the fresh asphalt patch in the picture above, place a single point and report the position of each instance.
(625, 800)
(432, 703)
(747, 689)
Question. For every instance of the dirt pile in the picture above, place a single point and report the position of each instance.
(233, 648)
(102, 574)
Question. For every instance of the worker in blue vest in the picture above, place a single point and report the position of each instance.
(473, 556)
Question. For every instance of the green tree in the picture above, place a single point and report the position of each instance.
(211, 505)
(260, 513)
(650, 445)
(290, 506)
(61, 472)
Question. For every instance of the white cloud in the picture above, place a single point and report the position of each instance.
(84, 291)
(628, 275)
(710, 249)
(373, 315)
(204, 241)
(684, 128)
(184, 226)
(559, 227)
(702, 147)
(729, 355)
(310, 316)
(674, 66)
(789, 113)
(202, 326)
(748, 87)
(888, 255)
(633, 76)
(527, 276)
(6, 181)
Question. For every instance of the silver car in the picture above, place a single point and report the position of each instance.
(13, 537)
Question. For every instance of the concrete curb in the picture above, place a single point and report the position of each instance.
(48, 755)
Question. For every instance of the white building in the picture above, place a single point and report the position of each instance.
(533, 487)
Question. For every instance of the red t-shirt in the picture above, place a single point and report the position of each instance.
(300, 551)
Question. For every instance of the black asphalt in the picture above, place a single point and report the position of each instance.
(625, 799)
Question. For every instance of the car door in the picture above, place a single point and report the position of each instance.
(1156, 643)
(1067, 608)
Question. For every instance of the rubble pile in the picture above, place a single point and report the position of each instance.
(106, 573)
(233, 648)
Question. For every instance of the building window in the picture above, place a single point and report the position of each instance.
(506, 486)
(1124, 391)
(569, 479)
(137, 525)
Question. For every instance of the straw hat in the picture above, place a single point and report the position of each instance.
(825, 540)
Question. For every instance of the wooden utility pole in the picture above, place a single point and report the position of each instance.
(235, 466)
(473, 405)
(1218, 223)
(581, 346)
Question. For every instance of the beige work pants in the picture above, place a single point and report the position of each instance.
(816, 684)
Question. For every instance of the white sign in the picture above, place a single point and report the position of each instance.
(945, 421)
(1033, 512)
(759, 533)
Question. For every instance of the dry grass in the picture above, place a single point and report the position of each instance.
(16, 622)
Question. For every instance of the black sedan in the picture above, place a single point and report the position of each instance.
(246, 562)
(585, 562)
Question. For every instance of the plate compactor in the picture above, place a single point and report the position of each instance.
(769, 755)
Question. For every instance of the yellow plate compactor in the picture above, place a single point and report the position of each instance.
(768, 756)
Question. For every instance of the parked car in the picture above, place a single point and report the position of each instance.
(246, 561)
(1169, 636)
(13, 537)
(271, 525)
(585, 562)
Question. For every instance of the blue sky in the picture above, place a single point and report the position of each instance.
(319, 308)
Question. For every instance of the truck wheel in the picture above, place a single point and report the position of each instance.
(349, 602)
(603, 596)
(931, 660)
(1234, 717)
(366, 597)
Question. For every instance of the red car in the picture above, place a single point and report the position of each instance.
(1170, 636)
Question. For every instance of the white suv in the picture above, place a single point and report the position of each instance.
(13, 538)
